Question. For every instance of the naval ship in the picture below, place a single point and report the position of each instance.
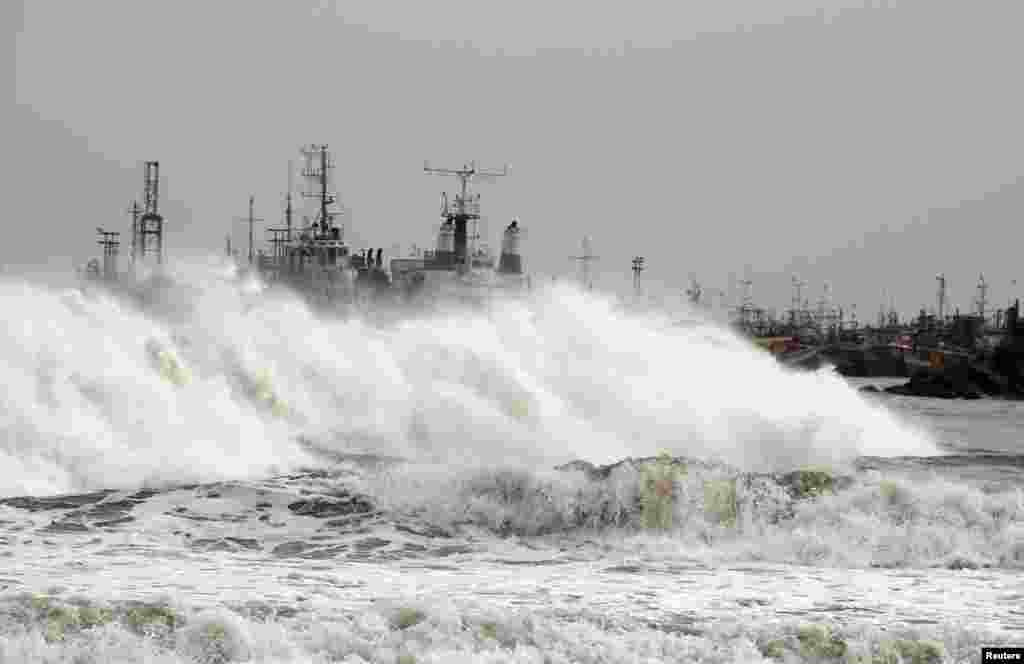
(315, 261)
(309, 254)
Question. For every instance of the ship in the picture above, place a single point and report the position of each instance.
(315, 261)
(309, 255)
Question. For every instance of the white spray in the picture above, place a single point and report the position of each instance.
(210, 379)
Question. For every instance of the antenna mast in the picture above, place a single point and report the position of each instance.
(318, 165)
(252, 220)
(135, 210)
(638, 267)
(288, 202)
(151, 224)
(467, 204)
(982, 296)
(746, 302)
(796, 319)
(941, 278)
(585, 258)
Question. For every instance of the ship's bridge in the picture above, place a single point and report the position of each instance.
(468, 206)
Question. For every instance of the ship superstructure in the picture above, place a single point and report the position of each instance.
(312, 258)
(461, 267)
(308, 253)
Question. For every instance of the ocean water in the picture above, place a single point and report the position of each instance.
(208, 471)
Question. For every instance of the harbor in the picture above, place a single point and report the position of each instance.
(943, 354)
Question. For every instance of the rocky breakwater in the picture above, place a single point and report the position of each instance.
(962, 380)
(659, 492)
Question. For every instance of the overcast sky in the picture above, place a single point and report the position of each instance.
(869, 144)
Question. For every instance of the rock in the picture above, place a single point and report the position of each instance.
(244, 542)
(65, 527)
(69, 502)
(425, 530)
(290, 549)
(323, 508)
(960, 563)
(212, 545)
(371, 543)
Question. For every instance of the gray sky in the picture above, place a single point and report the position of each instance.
(871, 144)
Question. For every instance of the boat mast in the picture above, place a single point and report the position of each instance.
(584, 259)
(467, 204)
(318, 174)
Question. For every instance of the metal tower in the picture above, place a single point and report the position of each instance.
(638, 267)
(467, 204)
(280, 238)
(135, 211)
(982, 296)
(796, 319)
(941, 278)
(288, 211)
(151, 224)
(110, 243)
(585, 258)
(251, 219)
(746, 308)
(316, 173)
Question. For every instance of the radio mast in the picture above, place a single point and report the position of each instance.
(585, 259)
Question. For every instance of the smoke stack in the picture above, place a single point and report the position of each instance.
(511, 261)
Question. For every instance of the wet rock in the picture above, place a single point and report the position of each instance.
(818, 642)
(353, 521)
(937, 386)
(323, 508)
(65, 527)
(371, 543)
(624, 569)
(290, 549)
(444, 551)
(112, 509)
(212, 545)
(960, 563)
(802, 484)
(69, 502)
(405, 618)
(326, 553)
(424, 530)
(185, 514)
(244, 542)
